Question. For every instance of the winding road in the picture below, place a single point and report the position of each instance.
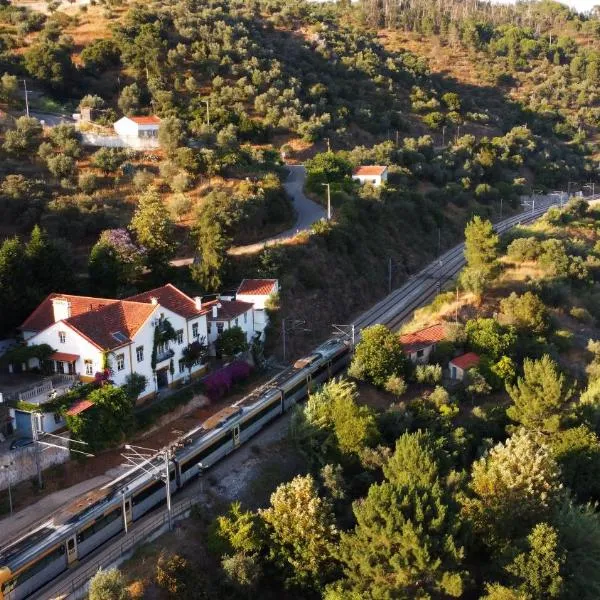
(307, 213)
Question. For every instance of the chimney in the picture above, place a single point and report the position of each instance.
(215, 310)
(198, 302)
(61, 308)
(154, 301)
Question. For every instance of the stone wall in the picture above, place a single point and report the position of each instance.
(23, 460)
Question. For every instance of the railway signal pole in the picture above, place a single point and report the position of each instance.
(345, 331)
(8, 469)
(141, 457)
(289, 325)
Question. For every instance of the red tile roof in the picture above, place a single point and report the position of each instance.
(64, 357)
(257, 287)
(465, 361)
(113, 325)
(229, 309)
(413, 342)
(369, 170)
(79, 407)
(43, 315)
(174, 299)
(151, 120)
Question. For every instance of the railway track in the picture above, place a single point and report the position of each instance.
(398, 306)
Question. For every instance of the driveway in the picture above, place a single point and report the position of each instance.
(307, 213)
(51, 119)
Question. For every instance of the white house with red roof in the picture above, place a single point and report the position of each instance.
(258, 292)
(138, 131)
(419, 345)
(84, 330)
(374, 174)
(461, 364)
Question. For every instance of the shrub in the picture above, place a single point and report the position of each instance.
(429, 374)
(108, 585)
(142, 179)
(524, 249)
(395, 385)
(581, 314)
(88, 182)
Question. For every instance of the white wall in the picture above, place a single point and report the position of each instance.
(74, 344)
(126, 127)
(246, 324)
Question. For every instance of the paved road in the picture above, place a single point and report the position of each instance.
(51, 119)
(307, 213)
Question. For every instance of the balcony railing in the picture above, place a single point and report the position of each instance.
(164, 355)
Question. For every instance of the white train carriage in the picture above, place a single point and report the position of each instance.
(36, 559)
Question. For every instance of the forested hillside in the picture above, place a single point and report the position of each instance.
(469, 106)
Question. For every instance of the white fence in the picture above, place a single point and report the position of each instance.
(115, 141)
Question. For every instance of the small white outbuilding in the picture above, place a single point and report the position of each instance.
(140, 128)
(373, 174)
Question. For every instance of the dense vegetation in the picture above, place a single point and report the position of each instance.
(484, 488)
(237, 82)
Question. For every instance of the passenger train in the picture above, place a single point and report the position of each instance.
(73, 533)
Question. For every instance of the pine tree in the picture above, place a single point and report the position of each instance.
(539, 397)
(154, 230)
(403, 546)
(481, 252)
(513, 487)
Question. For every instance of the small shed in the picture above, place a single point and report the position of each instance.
(373, 174)
(138, 127)
(461, 364)
(420, 344)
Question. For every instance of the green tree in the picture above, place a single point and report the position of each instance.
(61, 166)
(231, 341)
(24, 139)
(12, 268)
(108, 160)
(538, 571)
(302, 533)
(154, 230)
(526, 313)
(516, 485)
(488, 337)
(579, 532)
(108, 585)
(326, 167)
(378, 355)
(170, 134)
(481, 252)
(404, 545)
(50, 63)
(213, 243)
(107, 421)
(577, 452)
(115, 263)
(335, 422)
(129, 100)
(9, 89)
(414, 462)
(539, 397)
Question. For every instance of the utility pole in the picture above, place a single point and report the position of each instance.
(123, 492)
(26, 98)
(143, 456)
(390, 275)
(328, 144)
(328, 186)
(207, 112)
(345, 331)
(397, 138)
(501, 200)
(439, 241)
(36, 447)
(294, 324)
(443, 136)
